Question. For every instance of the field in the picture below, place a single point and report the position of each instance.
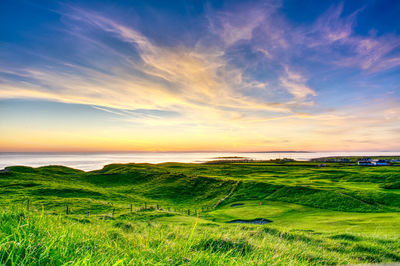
(175, 213)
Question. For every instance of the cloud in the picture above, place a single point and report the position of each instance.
(332, 27)
(295, 83)
(197, 83)
(333, 35)
(372, 53)
(252, 73)
(231, 27)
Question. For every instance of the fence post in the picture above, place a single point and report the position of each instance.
(67, 211)
(157, 206)
(27, 205)
(131, 208)
(113, 212)
(188, 212)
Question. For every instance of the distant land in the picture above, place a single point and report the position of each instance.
(283, 152)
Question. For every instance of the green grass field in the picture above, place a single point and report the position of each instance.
(320, 215)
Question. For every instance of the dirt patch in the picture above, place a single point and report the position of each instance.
(254, 221)
(237, 204)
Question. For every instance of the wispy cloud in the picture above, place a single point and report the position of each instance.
(195, 82)
(231, 27)
(295, 83)
(333, 35)
(252, 72)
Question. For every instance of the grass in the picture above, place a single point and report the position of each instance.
(332, 215)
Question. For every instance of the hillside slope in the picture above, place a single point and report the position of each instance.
(340, 188)
(180, 214)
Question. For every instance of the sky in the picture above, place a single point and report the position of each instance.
(200, 75)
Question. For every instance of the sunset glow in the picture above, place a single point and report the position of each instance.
(199, 76)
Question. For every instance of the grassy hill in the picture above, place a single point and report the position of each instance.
(320, 215)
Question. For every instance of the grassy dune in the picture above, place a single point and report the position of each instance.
(332, 215)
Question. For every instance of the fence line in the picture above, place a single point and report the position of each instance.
(198, 211)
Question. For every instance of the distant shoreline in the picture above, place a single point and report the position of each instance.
(284, 152)
(91, 161)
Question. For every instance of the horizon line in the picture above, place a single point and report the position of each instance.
(202, 151)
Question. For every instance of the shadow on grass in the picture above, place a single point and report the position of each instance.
(224, 245)
(348, 237)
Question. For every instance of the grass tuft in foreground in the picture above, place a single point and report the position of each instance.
(42, 238)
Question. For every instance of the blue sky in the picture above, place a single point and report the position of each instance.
(199, 75)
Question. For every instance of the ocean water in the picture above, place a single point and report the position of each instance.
(94, 161)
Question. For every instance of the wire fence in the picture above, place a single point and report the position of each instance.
(106, 210)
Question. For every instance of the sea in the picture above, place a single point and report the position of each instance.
(89, 161)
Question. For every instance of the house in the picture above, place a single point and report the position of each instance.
(381, 162)
(365, 162)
